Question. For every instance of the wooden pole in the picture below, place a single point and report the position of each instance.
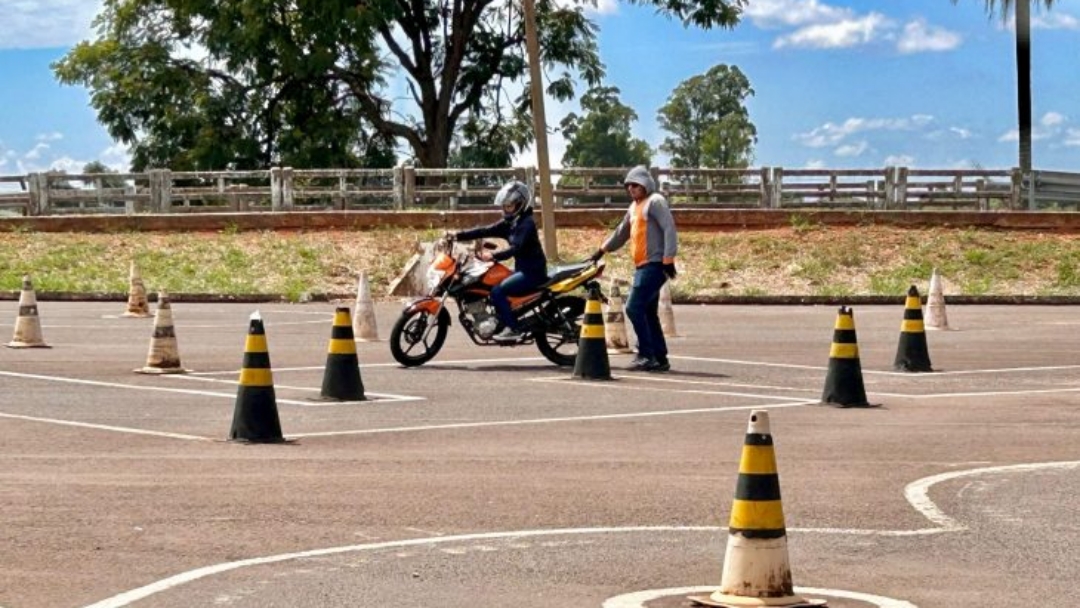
(547, 204)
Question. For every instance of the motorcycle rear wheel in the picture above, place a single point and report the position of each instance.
(418, 336)
(559, 343)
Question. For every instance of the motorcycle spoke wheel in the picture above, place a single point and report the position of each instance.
(559, 344)
(418, 336)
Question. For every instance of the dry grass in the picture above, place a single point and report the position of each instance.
(801, 260)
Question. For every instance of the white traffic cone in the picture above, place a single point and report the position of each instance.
(363, 321)
(667, 313)
(935, 305)
(137, 304)
(164, 355)
(27, 325)
(756, 569)
(615, 323)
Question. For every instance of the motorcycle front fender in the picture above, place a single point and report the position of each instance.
(428, 303)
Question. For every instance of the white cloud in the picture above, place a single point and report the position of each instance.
(855, 149)
(54, 136)
(815, 163)
(841, 34)
(1050, 127)
(961, 132)
(1072, 137)
(35, 152)
(28, 24)
(1052, 119)
(792, 13)
(1055, 21)
(900, 160)
(830, 134)
(116, 156)
(919, 37)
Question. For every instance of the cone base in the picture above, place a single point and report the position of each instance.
(259, 441)
(161, 370)
(734, 601)
(26, 345)
(326, 399)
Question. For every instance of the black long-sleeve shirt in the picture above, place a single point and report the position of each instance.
(524, 239)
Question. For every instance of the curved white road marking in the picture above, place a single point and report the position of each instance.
(916, 492)
(638, 598)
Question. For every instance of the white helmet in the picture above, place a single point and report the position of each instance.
(514, 193)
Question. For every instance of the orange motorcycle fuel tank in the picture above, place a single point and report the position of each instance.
(495, 275)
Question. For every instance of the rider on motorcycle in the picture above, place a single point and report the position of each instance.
(518, 228)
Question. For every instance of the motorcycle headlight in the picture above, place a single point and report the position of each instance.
(434, 277)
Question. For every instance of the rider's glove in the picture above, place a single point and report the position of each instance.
(595, 257)
(669, 270)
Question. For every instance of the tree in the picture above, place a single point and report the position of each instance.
(708, 123)
(301, 82)
(1022, 16)
(601, 137)
(109, 178)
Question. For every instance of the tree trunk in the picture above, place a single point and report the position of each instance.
(1023, 81)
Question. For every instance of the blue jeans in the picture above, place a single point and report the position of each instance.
(642, 308)
(517, 284)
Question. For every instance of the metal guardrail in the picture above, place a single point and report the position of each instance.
(409, 188)
(1053, 189)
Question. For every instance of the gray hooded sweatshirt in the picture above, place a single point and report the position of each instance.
(648, 225)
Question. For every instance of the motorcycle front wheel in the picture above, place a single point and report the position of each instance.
(418, 335)
(559, 341)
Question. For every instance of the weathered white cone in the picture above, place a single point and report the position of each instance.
(363, 321)
(935, 305)
(27, 325)
(615, 323)
(667, 314)
(137, 304)
(164, 355)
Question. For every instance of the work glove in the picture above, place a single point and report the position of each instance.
(669, 270)
(595, 257)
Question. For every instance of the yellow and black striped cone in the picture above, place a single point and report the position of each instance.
(137, 304)
(615, 324)
(592, 358)
(844, 381)
(911, 352)
(341, 380)
(255, 418)
(164, 355)
(364, 327)
(27, 324)
(756, 569)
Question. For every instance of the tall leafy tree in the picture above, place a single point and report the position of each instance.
(1021, 10)
(707, 120)
(601, 136)
(305, 82)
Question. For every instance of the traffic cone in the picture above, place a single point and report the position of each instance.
(935, 305)
(756, 569)
(844, 382)
(615, 324)
(341, 380)
(667, 313)
(592, 359)
(363, 323)
(27, 325)
(911, 352)
(255, 417)
(164, 355)
(137, 304)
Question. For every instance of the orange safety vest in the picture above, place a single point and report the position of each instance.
(639, 232)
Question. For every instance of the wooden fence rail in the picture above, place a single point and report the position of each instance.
(408, 188)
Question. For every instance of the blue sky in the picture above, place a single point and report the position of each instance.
(841, 83)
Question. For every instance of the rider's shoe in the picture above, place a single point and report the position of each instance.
(508, 334)
(641, 364)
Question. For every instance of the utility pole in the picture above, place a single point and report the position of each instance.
(547, 203)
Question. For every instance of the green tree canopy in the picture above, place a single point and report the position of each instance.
(708, 122)
(305, 82)
(601, 136)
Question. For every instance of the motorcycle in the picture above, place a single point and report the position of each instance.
(550, 316)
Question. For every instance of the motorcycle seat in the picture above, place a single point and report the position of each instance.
(564, 272)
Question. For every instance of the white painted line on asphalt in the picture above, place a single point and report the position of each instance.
(913, 376)
(630, 387)
(639, 598)
(917, 493)
(494, 423)
(105, 427)
(311, 368)
(378, 397)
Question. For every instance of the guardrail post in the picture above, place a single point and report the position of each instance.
(276, 189)
(765, 189)
(287, 199)
(890, 188)
(777, 187)
(408, 186)
(160, 190)
(1033, 187)
(38, 187)
(901, 187)
(1017, 180)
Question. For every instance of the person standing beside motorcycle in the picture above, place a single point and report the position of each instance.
(518, 228)
(650, 229)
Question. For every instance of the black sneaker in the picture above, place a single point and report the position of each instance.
(641, 364)
(508, 334)
(658, 366)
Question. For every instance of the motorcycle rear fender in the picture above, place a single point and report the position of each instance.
(579, 279)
